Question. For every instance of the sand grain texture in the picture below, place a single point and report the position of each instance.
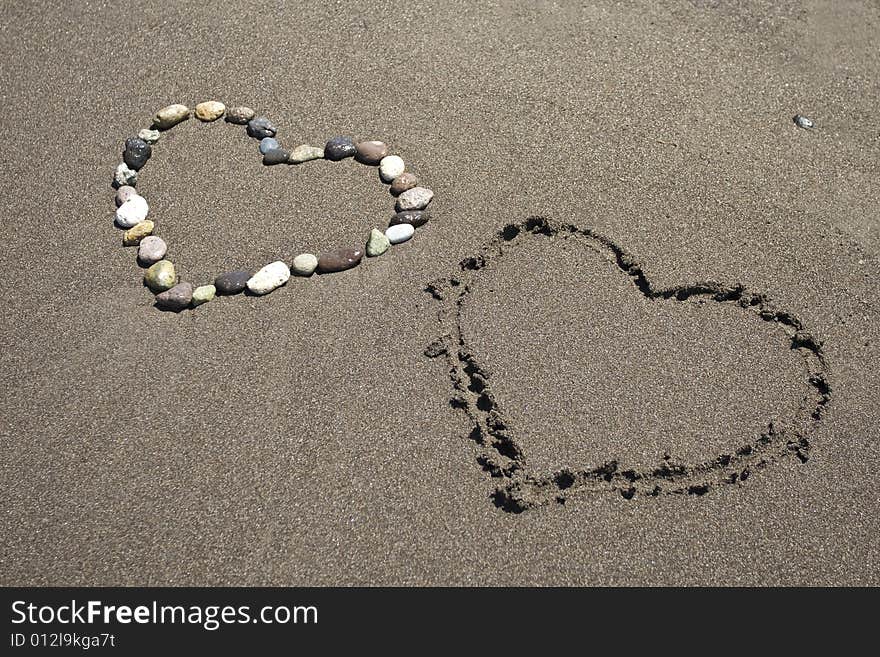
(304, 438)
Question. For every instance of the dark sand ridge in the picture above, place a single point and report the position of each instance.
(305, 438)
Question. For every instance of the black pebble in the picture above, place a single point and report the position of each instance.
(275, 156)
(339, 148)
(136, 152)
(231, 282)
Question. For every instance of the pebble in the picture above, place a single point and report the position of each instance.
(339, 260)
(391, 167)
(304, 153)
(134, 235)
(231, 282)
(210, 110)
(415, 217)
(371, 152)
(275, 156)
(270, 277)
(377, 244)
(136, 152)
(148, 135)
(268, 144)
(339, 148)
(803, 122)
(203, 294)
(151, 250)
(170, 116)
(400, 233)
(404, 182)
(260, 128)
(239, 115)
(124, 193)
(177, 298)
(125, 176)
(132, 212)
(416, 198)
(160, 276)
(304, 264)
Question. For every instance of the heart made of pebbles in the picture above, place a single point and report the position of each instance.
(502, 456)
(160, 277)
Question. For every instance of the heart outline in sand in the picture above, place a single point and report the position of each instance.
(499, 454)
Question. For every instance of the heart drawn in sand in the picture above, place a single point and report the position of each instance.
(500, 451)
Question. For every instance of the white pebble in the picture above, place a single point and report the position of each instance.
(304, 264)
(132, 212)
(416, 198)
(271, 276)
(399, 233)
(390, 167)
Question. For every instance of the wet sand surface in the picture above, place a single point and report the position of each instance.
(305, 438)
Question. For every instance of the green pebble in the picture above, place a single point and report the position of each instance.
(160, 276)
(203, 294)
(377, 244)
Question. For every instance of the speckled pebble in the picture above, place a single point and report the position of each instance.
(270, 277)
(152, 249)
(125, 176)
(232, 282)
(148, 135)
(399, 233)
(403, 182)
(239, 115)
(371, 152)
(176, 298)
(210, 110)
(305, 153)
(415, 217)
(160, 276)
(416, 198)
(304, 264)
(170, 116)
(339, 148)
(134, 235)
(268, 144)
(124, 193)
(391, 167)
(132, 212)
(377, 244)
(261, 127)
(136, 153)
(203, 294)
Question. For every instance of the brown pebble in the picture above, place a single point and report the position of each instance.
(239, 115)
(403, 182)
(371, 152)
(339, 260)
(415, 218)
(177, 298)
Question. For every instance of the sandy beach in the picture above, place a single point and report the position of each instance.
(316, 436)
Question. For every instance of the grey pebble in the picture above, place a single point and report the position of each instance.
(125, 176)
(151, 249)
(415, 218)
(261, 127)
(177, 298)
(268, 144)
(275, 156)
